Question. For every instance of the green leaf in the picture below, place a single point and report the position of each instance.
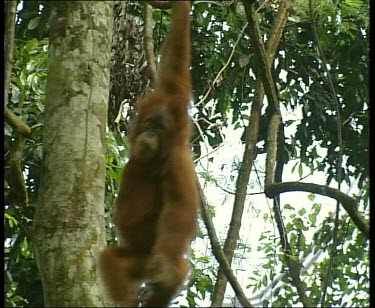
(33, 23)
(23, 78)
(288, 207)
(354, 3)
(300, 171)
(11, 220)
(300, 225)
(311, 197)
(289, 227)
(312, 218)
(302, 242)
(264, 280)
(294, 167)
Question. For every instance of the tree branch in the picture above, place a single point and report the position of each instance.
(148, 42)
(219, 254)
(16, 123)
(248, 156)
(347, 202)
(260, 51)
(328, 278)
(10, 10)
(265, 75)
(272, 136)
(16, 181)
(223, 68)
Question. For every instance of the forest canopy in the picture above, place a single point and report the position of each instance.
(280, 135)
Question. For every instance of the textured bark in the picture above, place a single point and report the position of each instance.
(69, 228)
(272, 134)
(148, 42)
(9, 16)
(129, 70)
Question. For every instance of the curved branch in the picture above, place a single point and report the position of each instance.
(347, 202)
(17, 180)
(16, 123)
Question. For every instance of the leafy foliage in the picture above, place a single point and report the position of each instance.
(27, 100)
(310, 142)
(344, 39)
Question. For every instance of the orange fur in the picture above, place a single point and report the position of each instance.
(156, 210)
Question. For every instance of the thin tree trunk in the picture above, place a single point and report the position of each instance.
(69, 228)
(9, 15)
(249, 154)
(240, 197)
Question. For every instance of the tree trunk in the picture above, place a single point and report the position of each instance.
(9, 16)
(230, 244)
(69, 228)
